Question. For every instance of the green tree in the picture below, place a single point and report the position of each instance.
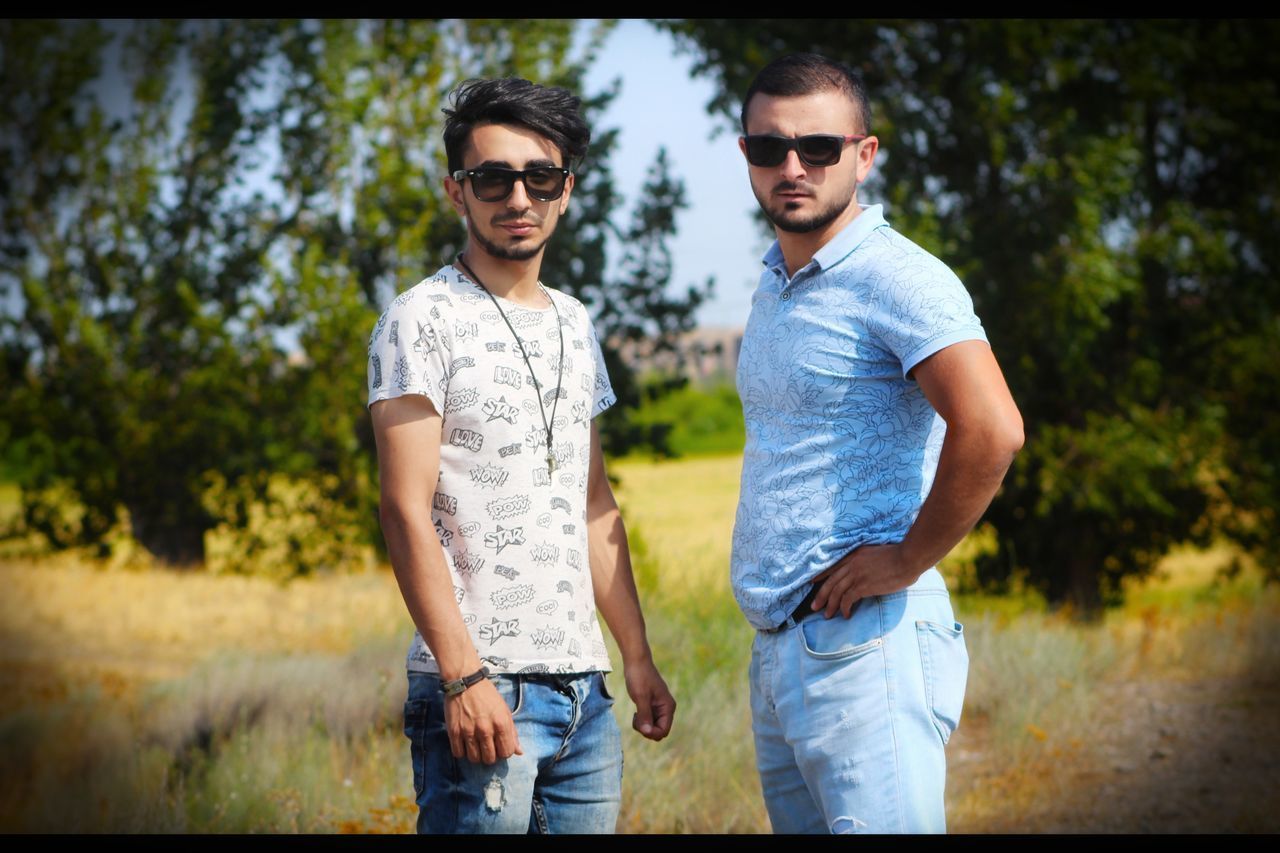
(196, 245)
(138, 356)
(636, 306)
(1107, 191)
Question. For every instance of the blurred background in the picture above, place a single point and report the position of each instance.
(201, 221)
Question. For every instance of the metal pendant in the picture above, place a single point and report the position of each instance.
(551, 463)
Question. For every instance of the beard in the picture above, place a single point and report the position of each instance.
(798, 223)
(520, 252)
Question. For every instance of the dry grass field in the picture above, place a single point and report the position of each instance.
(134, 698)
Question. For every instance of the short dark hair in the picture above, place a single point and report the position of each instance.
(549, 111)
(806, 74)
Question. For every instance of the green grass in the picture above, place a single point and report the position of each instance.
(139, 700)
(702, 778)
(308, 743)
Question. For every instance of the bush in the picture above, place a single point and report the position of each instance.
(703, 420)
(282, 527)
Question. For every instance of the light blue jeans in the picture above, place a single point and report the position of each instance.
(851, 715)
(569, 779)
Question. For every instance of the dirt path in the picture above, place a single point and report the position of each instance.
(1168, 757)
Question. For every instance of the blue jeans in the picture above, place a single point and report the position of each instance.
(569, 779)
(851, 715)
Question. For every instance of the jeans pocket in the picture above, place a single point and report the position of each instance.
(423, 693)
(843, 639)
(604, 687)
(511, 689)
(945, 662)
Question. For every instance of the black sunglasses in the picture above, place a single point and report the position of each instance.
(494, 183)
(816, 149)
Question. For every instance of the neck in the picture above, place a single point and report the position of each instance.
(513, 280)
(799, 249)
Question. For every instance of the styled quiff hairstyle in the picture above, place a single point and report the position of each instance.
(807, 74)
(548, 111)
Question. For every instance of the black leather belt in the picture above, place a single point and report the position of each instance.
(802, 610)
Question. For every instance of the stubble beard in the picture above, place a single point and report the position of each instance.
(505, 253)
(793, 223)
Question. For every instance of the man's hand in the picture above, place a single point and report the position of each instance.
(480, 726)
(619, 603)
(863, 572)
(655, 706)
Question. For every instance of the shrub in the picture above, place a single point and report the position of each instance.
(282, 527)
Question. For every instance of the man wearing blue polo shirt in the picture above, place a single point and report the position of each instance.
(879, 427)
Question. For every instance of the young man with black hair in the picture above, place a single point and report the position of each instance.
(500, 522)
(879, 427)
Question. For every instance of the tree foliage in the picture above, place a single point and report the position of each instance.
(1107, 191)
(637, 306)
(201, 221)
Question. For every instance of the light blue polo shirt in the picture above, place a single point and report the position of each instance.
(841, 444)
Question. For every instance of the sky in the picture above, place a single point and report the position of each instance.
(660, 103)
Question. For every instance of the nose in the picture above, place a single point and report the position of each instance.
(519, 198)
(792, 168)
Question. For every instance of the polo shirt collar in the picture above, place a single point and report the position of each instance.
(838, 247)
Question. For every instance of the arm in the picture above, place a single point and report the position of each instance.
(407, 430)
(984, 432)
(618, 602)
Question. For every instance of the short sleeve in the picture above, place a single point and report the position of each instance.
(923, 310)
(407, 352)
(602, 394)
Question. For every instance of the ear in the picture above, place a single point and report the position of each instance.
(453, 190)
(867, 157)
(568, 191)
(742, 146)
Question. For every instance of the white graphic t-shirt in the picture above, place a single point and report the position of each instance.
(513, 528)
